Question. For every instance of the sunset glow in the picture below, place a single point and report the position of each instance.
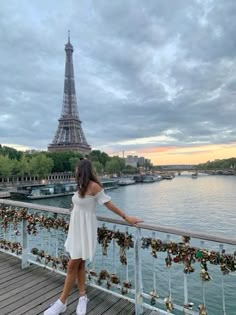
(184, 155)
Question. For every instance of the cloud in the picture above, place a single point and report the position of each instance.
(142, 69)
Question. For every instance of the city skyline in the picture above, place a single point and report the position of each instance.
(150, 80)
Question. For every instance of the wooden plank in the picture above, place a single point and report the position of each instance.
(30, 300)
(30, 292)
(4, 268)
(32, 284)
(103, 302)
(94, 301)
(119, 306)
(29, 307)
(8, 265)
(23, 291)
(6, 257)
(17, 272)
(18, 280)
(129, 309)
(8, 262)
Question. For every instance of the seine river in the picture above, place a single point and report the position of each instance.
(206, 204)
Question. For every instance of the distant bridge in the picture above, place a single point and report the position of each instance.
(179, 168)
(193, 168)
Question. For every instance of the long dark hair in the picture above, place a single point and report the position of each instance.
(84, 174)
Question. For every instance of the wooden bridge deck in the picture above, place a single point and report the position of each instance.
(32, 290)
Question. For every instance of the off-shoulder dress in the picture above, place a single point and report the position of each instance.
(82, 235)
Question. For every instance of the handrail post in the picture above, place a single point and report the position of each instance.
(185, 289)
(222, 285)
(138, 274)
(24, 257)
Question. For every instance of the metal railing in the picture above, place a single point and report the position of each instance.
(148, 281)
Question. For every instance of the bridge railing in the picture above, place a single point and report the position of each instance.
(164, 269)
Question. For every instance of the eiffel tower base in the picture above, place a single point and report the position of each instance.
(70, 147)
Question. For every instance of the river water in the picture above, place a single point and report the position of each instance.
(206, 204)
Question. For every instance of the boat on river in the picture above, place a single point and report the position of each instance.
(157, 178)
(109, 184)
(46, 191)
(54, 190)
(126, 181)
(195, 175)
(148, 179)
(167, 176)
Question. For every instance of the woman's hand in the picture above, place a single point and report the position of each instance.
(133, 220)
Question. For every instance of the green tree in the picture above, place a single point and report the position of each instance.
(5, 165)
(22, 167)
(74, 162)
(113, 166)
(99, 156)
(10, 152)
(15, 167)
(147, 165)
(41, 165)
(121, 162)
(98, 167)
(62, 160)
(129, 170)
(218, 164)
(104, 158)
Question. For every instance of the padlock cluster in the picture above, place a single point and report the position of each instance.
(13, 247)
(46, 259)
(15, 215)
(182, 252)
(110, 279)
(123, 239)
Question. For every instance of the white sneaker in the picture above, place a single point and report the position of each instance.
(81, 308)
(56, 308)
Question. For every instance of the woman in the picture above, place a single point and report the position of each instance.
(82, 235)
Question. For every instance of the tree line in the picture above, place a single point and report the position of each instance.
(14, 162)
(223, 164)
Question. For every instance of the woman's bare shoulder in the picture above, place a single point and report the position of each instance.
(95, 187)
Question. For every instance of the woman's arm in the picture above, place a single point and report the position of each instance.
(71, 206)
(130, 220)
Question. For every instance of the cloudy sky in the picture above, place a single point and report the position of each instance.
(154, 78)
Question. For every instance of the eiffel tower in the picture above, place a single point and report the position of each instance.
(69, 134)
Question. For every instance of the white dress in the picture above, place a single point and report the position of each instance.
(82, 235)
